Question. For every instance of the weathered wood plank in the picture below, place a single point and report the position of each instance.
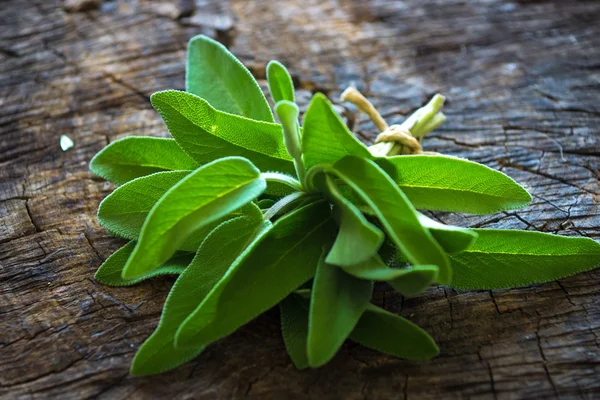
(522, 82)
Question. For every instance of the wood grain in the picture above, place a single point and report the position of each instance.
(522, 79)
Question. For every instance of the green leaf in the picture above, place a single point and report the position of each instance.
(110, 271)
(204, 196)
(382, 331)
(453, 239)
(395, 212)
(389, 333)
(294, 328)
(280, 82)
(220, 248)
(282, 259)
(134, 156)
(452, 184)
(338, 300)
(325, 137)
(287, 112)
(217, 76)
(124, 211)
(207, 134)
(502, 259)
(408, 281)
(357, 240)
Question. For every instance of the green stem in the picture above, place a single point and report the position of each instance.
(308, 179)
(426, 113)
(437, 120)
(282, 178)
(281, 204)
(288, 112)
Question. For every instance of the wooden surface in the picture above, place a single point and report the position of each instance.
(522, 79)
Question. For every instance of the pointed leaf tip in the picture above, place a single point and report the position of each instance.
(504, 259)
(280, 82)
(216, 75)
(192, 203)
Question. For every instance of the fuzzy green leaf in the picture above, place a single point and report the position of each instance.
(204, 196)
(280, 82)
(453, 239)
(124, 211)
(408, 281)
(358, 240)
(294, 328)
(207, 134)
(287, 112)
(502, 259)
(325, 137)
(110, 271)
(338, 300)
(217, 76)
(273, 266)
(389, 333)
(134, 156)
(395, 212)
(377, 329)
(220, 248)
(445, 183)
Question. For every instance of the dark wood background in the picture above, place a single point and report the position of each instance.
(522, 80)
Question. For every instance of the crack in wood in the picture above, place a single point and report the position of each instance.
(77, 73)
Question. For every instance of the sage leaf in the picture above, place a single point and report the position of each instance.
(110, 271)
(325, 137)
(217, 76)
(408, 281)
(135, 156)
(337, 302)
(453, 239)
(357, 240)
(389, 333)
(287, 112)
(207, 134)
(294, 328)
(220, 248)
(204, 196)
(395, 212)
(280, 82)
(279, 261)
(445, 183)
(502, 259)
(124, 211)
(379, 330)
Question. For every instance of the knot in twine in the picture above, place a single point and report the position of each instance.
(401, 136)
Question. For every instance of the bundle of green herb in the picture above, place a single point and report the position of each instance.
(252, 213)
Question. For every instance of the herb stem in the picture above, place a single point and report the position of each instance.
(288, 112)
(283, 179)
(310, 175)
(355, 97)
(281, 204)
(437, 120)
(420, 123)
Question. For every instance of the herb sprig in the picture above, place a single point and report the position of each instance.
(251, 213)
